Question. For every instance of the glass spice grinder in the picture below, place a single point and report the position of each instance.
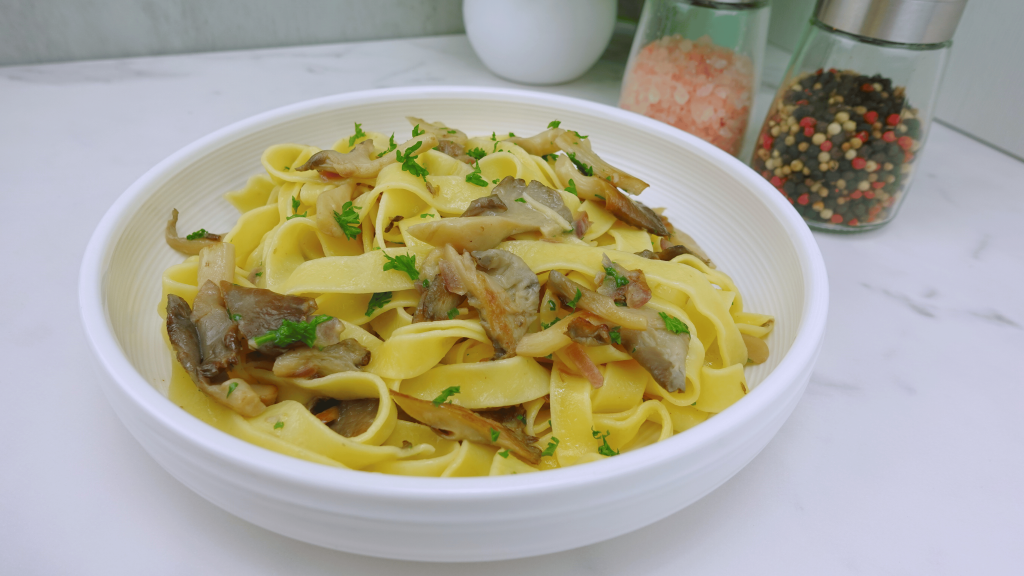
(842, 137)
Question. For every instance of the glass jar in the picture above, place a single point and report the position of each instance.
(696, 65)
(851, 116)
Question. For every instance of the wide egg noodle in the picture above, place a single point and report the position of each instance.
(506, 382)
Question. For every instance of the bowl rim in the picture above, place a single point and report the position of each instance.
(269, 464)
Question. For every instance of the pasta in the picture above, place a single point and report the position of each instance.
(452, 306)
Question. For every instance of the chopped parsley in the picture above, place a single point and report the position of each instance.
(474, 177)
(416, 131)
(408, 161)
(476, 153)
(348, 220)
(426, 283)
(378, 301)
(494, 435)
(453, 313)
(295, 209)
(291, 332)
(599, 196)
(612, 273)
(452, 131)
(604, 449)
(258, 274)
(403, 263)
(231, 389)
(426, 215)
(554, 124)
(287, 167)
(521, 418)
(552, 305)
(503, 453)
(234, 317)
(197, 235)
(572, 303)
(673, 324)
(545, 326)
(620, 303)
(391, 146)
(446, 394)
(616, 335)
(359, 134)
(303, 215)
(280, 424)
(584, 169)
(550, 450)
(572, 188)
(521, 200)
(578, 135)
(494, 137)
(549, 157)
(495, 181)
(511, 134)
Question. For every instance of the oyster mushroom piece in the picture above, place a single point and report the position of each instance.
(443, 291)
(684, 244)
(577, 297)
(362, 160)
(349, 418)
(331, 201)
(513, 207)
(345, 356)
(540, 144)
(583, 331)
(585, 364)
(450, 141)
(621, 206)
(757, 349)
(184, 245)
(570, 143)
(220, 343)
(660, 352)
(627, 286)
(259, 311)
(503, 289)
(457, 423)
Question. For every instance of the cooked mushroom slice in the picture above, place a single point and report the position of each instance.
(184, 245)
(440, 290)
(259, 311)
(541, 144)
(513, 207)
(219, 341)
(582, 331)
(659, 351)
(684, 244)
(362, 161)
(331, 201)
(217, 263)
(757, 350)
(350, 418)
(587, 187)
(626, 286)
(648, 254)
(345, 356)
(503, 289)
(571, 143)
(634, 213)
(457, 423)
(449, 140)
(581, 224)
(585, 364)
(577, 297)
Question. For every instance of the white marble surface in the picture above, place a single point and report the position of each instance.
(904, 457)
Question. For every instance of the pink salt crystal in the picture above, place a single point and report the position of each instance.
(695, 86)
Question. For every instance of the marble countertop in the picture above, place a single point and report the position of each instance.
(905, 456)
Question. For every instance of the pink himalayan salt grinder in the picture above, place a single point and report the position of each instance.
(696, 65)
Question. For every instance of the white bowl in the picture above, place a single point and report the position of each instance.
(745, 224)
(539, 41)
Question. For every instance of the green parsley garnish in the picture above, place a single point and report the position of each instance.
(451, 131)
(378, 301)
(550, 450)
(578, 135)
(552, 305)
(476, 153)
(198, 234)
(416, 131)
(291, 332)
(572, 303)
(281, 424)
(604, 449)
(495, 181)
(511, 134)
(494, 435)
(295, 209)
(428, 215)
(234, 317)
(521, 418)
(549, 157)
(620, 304)
(403, 263)
(494, 137)
(303, 215)
(620, 280)
(545, 326)
(258, 274)
(584, 169)
(475, 178)
(359, 134)
(673, 324)
(231, 389)
(503, 453)
(453, 313)
(522, 200)
(287, 167)
(446, 394)
(391, 146)
(616, 335)
(348, 220)
(572, 188)
(426, 283)
(599, 196)
(408, 161)
(554, 124)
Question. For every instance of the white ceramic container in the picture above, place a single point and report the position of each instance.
(745, 224)
(539, 41)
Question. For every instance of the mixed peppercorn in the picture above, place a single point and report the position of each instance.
(839, 146)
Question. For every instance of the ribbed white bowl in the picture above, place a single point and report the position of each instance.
(746, 226)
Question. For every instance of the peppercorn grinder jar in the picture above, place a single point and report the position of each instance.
(847, 126)
(696, 64)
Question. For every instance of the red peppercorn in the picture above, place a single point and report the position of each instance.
(767, 141)
(767, 174)
(892, 119)
(869, 194)
(836, 219)
(858, 163)
(856, 194)
(809, 131)
(863, 136)
(776, 181)
(905, 142)
(889, 136)
(877, 185)
(874, 210)
(870, 116)
(808, 121)
(908, 156)
(826, 145)
(803, 199)
(853, 222)
(866, 87)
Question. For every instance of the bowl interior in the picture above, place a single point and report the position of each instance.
(708, 194)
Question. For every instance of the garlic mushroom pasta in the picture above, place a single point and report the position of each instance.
(447, 305)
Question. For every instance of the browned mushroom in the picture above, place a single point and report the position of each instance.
(200, 240)
(345, 356)
(331, 201)
(457, 423)
(626, 286)
(349, 418)
(585, 364)
(660, 352)
(683, 244)
(634, 213)
(583, 331)
(450, 141)
(259, 311)
(540, 144)
(580, 150)
(220, 343)
(362, 161)
(577, 297)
